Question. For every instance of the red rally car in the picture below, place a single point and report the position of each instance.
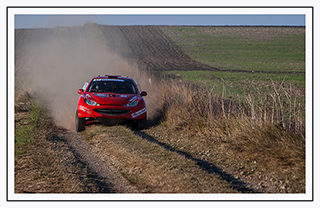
(111, 100)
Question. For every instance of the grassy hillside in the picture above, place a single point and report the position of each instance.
(252, 60)
(243, 48)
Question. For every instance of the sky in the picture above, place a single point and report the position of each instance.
(48, 21)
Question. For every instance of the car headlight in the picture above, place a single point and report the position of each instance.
(91, 102)
(132, 104)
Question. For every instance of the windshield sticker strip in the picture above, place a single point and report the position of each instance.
(101, 95)
(117, 80)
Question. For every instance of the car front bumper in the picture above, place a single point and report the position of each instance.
(109, 111)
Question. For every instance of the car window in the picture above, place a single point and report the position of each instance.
(118, 86)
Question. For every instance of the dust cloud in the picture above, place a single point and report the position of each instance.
(56, 62)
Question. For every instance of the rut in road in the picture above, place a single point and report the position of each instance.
(204, 165)
(106, 178)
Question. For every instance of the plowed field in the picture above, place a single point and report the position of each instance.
(149, 48)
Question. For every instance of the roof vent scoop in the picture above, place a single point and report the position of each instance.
(113, 76)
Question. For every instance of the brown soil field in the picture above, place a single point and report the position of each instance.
(149, 48)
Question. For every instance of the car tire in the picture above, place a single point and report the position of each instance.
(140, 124)
(80, 123)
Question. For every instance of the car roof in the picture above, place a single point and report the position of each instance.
(112, 77)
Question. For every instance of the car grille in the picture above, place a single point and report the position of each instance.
(111, 112)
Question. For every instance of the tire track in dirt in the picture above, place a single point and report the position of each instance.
(204, 165)
(108, 179)
(83, 178)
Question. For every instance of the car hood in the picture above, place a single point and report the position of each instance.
(112, 98)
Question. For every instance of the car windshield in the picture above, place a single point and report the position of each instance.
(118, 86)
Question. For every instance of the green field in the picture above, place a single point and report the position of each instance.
(243, 48)
(250, 58)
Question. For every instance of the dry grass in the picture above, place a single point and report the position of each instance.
(44, 162)
(274, 117)
(37, 169)
(268, 128)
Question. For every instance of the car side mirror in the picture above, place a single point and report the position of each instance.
(143, 93)
(80, 91)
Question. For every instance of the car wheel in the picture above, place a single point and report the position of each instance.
(80, 123)
(141, 124)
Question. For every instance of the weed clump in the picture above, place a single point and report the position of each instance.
(30, 118)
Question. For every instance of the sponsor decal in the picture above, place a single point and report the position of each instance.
(115, 80)
(84, 109)
(88, 96)
(116, 95)
(138, 113)
(101, 95)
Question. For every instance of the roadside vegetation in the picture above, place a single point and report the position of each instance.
(37, 168)
(33, 163)
(268, 130)
(28, 118)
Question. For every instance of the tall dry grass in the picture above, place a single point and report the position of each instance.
(269, 125)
